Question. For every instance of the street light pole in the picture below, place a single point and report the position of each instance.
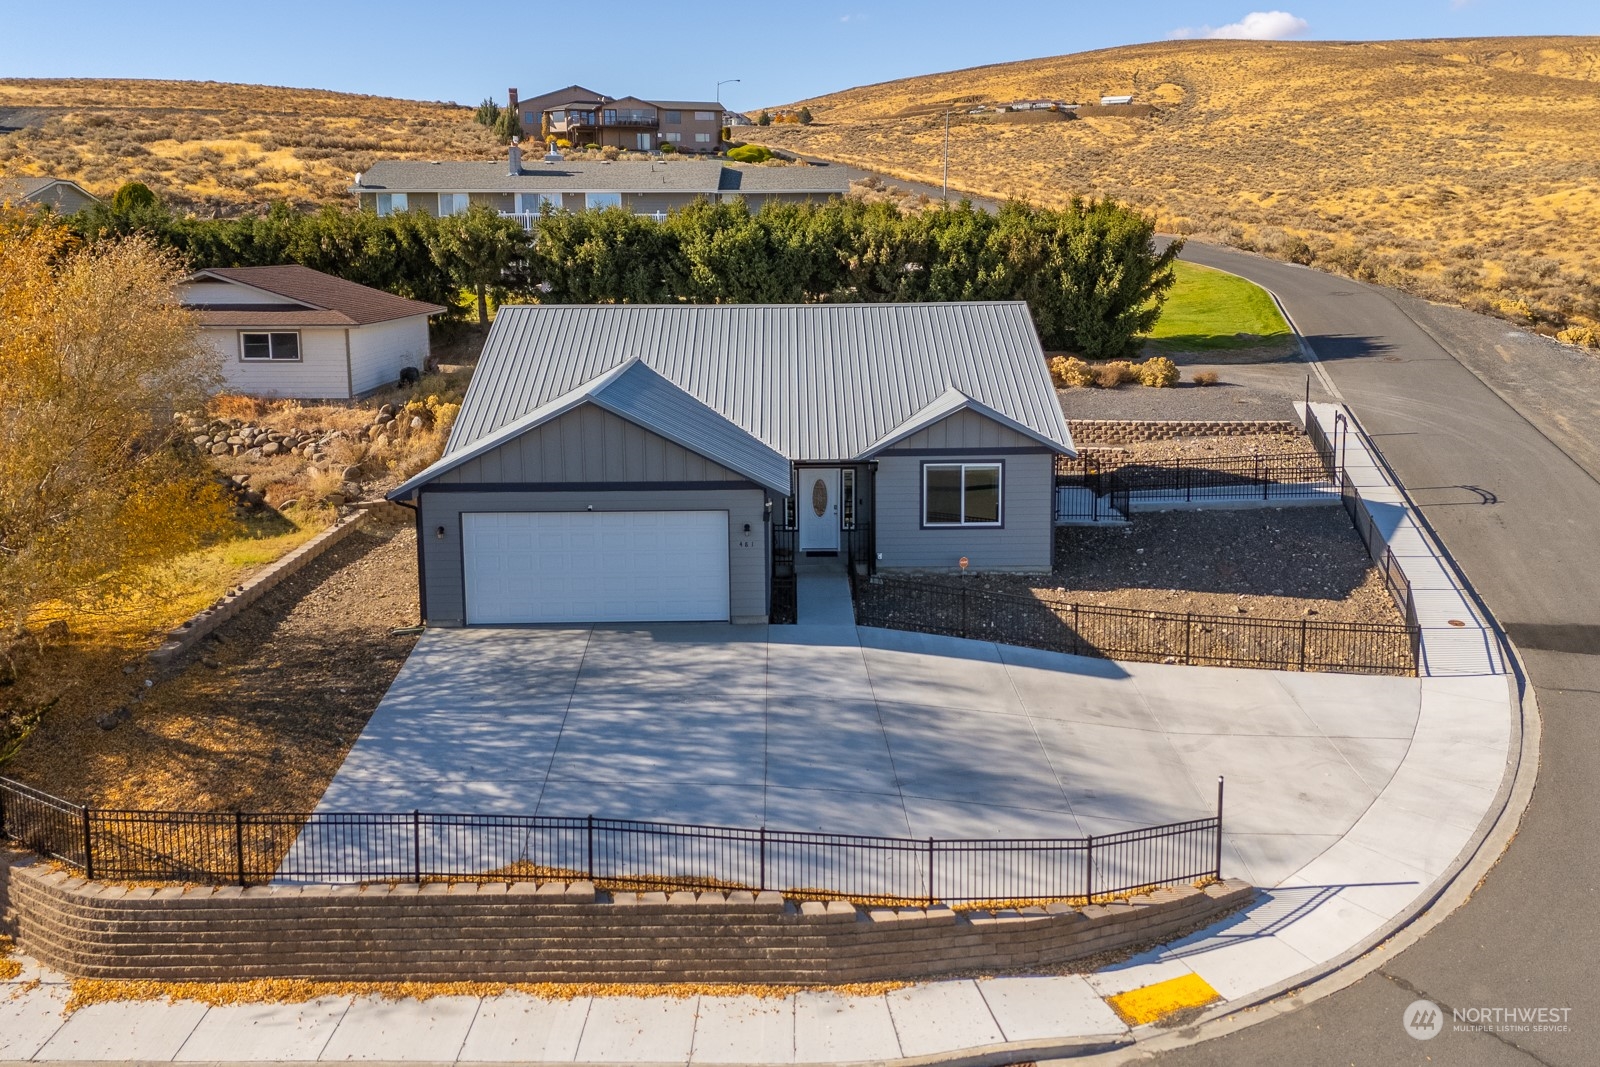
(720, 84)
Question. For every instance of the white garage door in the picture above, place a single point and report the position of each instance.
(595, 566)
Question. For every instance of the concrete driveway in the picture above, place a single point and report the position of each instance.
(826, 727)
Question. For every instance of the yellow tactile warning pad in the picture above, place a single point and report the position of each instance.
(1149, 1003)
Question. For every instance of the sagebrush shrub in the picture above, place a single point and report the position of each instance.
(1158, 372)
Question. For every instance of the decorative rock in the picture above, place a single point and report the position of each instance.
(271, 448)
(352, 474)
(416, 422)
(203, 441)
(219, 450)
(387, 409)
(236, 440)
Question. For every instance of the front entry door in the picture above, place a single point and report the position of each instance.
(818, 509)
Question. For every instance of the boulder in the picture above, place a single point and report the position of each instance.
(219, 449)
(352, 474)
(387, 409)
(203, 441)
(416, 422)
(271, 448)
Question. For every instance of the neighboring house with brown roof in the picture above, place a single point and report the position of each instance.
(59, 195)
(291, 331)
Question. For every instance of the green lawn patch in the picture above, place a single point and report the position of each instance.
(1208, 310)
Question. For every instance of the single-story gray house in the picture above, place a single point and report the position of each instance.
(522, 186)
(619, 463)
(290, 331)
(58, 194)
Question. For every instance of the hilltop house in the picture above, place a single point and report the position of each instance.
(628, 463)
(642, 187)
(585, 117)
(291, 331)
(61, 196)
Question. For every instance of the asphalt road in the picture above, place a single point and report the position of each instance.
(1497, 436)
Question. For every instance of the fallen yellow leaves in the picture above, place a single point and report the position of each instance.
(87, 991)
(9, 968)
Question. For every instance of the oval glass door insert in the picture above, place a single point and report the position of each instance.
(819, 498)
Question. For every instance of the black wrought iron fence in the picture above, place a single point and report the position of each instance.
(1259, 477)
(958, 610)
(249, 848)
(785, 588)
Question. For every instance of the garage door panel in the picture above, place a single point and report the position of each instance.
(617, 566)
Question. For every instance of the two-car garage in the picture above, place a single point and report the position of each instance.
(595, 566)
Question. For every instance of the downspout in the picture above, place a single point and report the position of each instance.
(349, 375)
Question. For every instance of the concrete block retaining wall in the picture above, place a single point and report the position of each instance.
(185, 637)
(526, 932)
(1128, 431)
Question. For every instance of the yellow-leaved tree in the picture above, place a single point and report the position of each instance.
(96, 353)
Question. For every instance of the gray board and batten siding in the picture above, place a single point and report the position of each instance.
(610, 464)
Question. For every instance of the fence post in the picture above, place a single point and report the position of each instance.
(238, 844)
(416, 845)
(1088, 870)
(590, 865)
(88, 846)
(1263, 477)
(930, 872)
(1076, 638)
(1188, 630)
(1302, 644)
(1216, 867)
(964, 608)
(761, 881)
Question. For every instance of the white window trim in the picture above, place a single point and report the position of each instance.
(533, 203)
(299, 346)
(1000, 495)
(588, 201)
(456, 207)
(385, 203)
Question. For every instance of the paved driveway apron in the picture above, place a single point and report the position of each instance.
(1503, 464)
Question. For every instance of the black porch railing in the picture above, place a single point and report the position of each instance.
(251, 848)
(958, 610)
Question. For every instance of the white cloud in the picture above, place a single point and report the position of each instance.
(852, 18)
(1256, 26)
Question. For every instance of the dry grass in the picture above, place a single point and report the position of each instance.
(1464, 170)
(219, 147)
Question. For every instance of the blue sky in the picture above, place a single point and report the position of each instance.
(441, 50)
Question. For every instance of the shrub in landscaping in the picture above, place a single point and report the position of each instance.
(1158, 372)
(750, 153)
(1070, 372)
(1115, 373)
(667, 148)
(1206, 377)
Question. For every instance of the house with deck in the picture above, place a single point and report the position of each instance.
(622, 463)
(524, 186)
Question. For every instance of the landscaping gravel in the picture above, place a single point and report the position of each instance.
(1244, 390)
(1282, 563)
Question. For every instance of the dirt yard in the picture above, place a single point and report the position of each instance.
(1282, 563)
(261, 714)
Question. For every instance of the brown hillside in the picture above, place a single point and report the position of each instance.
(222, 147)
(1466, 170)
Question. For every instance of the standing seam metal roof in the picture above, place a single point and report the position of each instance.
(815, 382)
